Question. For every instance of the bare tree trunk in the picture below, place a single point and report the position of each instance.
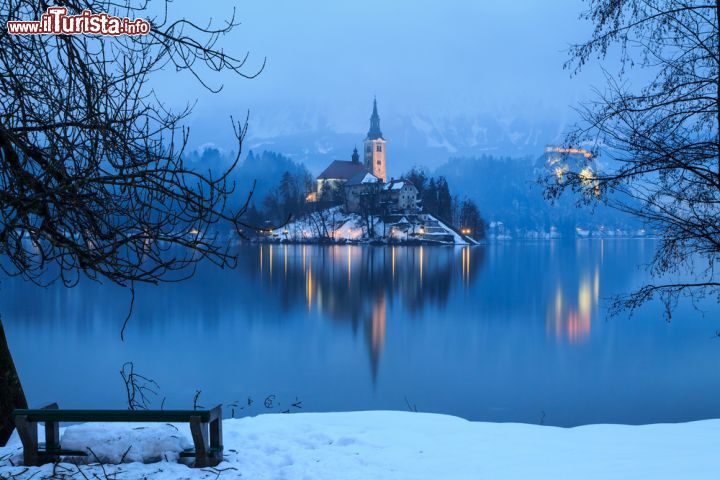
(717, 99)
(11, 392)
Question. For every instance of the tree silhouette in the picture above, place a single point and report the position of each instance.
(92, 178)
(660, 144)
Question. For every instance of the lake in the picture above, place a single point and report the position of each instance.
(509, 332)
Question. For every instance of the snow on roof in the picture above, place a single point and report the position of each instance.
(363, 177)
(395, 184)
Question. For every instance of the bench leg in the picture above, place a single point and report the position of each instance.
(199, 431)
(52, 442)
(27, 431)
(52, 437)
(216, 445)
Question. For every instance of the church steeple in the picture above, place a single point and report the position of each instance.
(355, 156)
(375, 147)
(374, 133)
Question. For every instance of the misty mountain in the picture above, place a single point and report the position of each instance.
(412, 140)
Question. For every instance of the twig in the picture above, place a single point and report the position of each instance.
(195, 400)
(413, 407)
(102, 467)
(122, 459)
(137, 387)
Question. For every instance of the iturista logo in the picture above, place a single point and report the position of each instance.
(56, 21)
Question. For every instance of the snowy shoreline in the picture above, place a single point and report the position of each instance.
(406, 445)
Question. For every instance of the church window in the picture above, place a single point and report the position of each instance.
(368, 149)
(379, 162)
(379, 148)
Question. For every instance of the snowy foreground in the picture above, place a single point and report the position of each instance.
(397, 445)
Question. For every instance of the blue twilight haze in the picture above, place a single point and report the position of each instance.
(452, 78)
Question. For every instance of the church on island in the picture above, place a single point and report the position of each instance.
(354, 202)
(361, 185)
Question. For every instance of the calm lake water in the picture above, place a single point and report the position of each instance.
(508, 332)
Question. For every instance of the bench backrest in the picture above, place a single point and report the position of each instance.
(57, 415)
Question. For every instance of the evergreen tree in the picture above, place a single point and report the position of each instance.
(430, 197)
(471, 219)
(444, 200)
(418, 178)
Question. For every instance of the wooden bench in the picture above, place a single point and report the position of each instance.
(208, 450)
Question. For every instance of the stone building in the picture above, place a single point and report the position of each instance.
(401, 196)
(361, 191)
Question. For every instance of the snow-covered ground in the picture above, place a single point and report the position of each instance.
(401, 445)
(335, 224)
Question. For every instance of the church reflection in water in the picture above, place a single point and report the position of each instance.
(373, 289)
(362, 286)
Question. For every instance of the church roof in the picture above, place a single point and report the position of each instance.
(374, 133)
(362, 178)
(342, 170)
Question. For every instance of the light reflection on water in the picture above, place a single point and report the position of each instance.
(498, 333)
(570, 316)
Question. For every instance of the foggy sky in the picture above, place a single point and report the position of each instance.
(326, 60)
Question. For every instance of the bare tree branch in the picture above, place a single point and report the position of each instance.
(656, 150)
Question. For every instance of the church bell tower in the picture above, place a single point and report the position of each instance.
(375, 147)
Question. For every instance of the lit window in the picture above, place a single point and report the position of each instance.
(379, 148)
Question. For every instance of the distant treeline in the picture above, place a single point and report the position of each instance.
(278, 184)
(466, 192)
